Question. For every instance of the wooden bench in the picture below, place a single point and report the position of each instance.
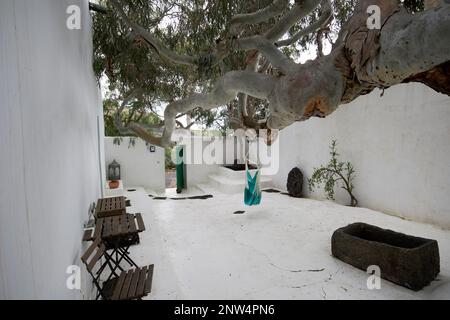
(127, 285)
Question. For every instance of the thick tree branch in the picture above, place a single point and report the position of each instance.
(262, 15)
(252, 61)
(97, 8)
(265, 66)
(301, 9)
(226, 89)
(325, 19)
(277, 58)
(144, 134)
(364, 60)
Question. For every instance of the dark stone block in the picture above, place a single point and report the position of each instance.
(295, 183)
(409, 261)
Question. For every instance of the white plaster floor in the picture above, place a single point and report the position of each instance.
(201, 250)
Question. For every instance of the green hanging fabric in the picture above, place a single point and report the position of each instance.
(252, 193)
(180, 167)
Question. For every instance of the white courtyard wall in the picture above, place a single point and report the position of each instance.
(399, 144)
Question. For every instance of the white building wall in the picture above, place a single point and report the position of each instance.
(139, 166)
(198, 164)
(399, 145)
(205, 154)
(49, 151)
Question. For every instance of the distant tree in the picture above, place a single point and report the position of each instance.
(136, 112)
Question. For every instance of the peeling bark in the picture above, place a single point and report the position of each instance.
(407, 45)
(437, 78)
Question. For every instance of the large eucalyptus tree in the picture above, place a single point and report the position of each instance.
(252, 57)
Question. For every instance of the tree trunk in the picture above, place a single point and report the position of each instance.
(430, 4)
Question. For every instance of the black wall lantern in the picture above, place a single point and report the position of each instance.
(114, 171)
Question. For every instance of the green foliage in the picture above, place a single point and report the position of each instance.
(332, 174)
(136, 112)
(169, 163)
(109, 110)
(190, 27)
(184, 26)
(414, 5)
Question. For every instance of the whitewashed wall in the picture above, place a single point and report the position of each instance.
(205, 154)
(139, 167)
(399, 145)
(197, 169)
(49, 150)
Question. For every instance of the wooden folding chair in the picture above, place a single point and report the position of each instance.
(128, 285)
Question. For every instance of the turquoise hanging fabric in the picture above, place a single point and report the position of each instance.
(252, 193)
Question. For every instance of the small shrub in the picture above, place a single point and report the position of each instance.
(334, 173)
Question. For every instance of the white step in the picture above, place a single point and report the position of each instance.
(207, 188)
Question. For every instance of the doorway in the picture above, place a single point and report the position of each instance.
(170, 170)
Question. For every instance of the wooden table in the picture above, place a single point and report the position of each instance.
(108, 207)
(118, 233)
(119, 226)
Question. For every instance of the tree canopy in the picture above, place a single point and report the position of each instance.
(187, 27)
(156, 52)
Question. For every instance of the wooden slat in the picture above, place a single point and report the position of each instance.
(131, 224)
(96, 257)
(112, 213)
(87, 235)
(115, 225)
(103, 203)
(121, 203)
(98, 207)
(107, 230)
(108, 207)
(98, 228)
(148, 282)
(141, 284)
(120, 225)
(118, 287)
(90, 250)
(140, 222)
(125, 219)
(126, 285)
(134, 283)
(116, 204)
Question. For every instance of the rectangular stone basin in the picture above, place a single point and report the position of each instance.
(408, 261)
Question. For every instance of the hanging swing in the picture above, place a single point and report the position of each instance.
(252, 193)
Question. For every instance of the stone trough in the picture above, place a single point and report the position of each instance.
(409, 261)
